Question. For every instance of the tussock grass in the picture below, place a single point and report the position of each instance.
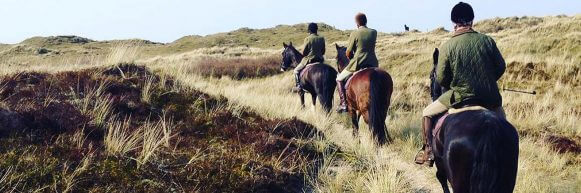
(120, 140)
(154, 136)
(147, 89)
(71, 176)
(96, 104)
(123, 53)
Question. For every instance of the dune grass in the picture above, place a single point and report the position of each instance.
(543, 54)
(552, 71)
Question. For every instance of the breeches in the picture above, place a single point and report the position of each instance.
(344, 75)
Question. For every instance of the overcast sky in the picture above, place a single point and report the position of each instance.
(168, 20)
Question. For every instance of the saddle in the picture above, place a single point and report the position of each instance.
(440, 120)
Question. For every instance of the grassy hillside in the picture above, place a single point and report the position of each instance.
(542, 54)
(262, 38)
(76, 49)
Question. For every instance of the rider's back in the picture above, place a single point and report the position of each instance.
(362, 43)
(470, 64)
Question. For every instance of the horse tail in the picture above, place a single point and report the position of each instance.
(495, 158)
(378, 104)
(326, 88)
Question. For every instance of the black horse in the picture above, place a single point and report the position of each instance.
(318, 79)
(477, 151)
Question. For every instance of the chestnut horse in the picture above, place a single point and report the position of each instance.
(477, 151)
(368, 94)
(318, 79)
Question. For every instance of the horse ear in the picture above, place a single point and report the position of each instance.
(436, 54)
(291, 44)
(284, 45)
(337, 46)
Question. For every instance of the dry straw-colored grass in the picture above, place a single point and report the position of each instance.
(542, 54)
(538, 59)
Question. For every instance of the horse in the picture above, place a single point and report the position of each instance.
(368, 95)
(476, 150)
(317, 79)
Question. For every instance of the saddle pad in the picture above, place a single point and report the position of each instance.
(470, 108)
(440, 123)
(307, 68)
(349, 78)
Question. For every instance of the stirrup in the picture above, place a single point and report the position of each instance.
(296, 89)
(420, 159)
(342, 110)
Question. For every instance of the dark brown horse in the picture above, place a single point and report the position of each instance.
(318, 79)
(368, 94)
(477, 151)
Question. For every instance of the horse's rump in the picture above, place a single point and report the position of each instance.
(480, 150)
(369, 93)
(319, 79)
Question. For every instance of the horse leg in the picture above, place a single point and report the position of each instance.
(460, 159)
(302, 96)
(314, 96)
(442, 176)
(355, 121)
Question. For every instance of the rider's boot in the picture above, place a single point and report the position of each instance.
(425, 155)
(342, 96)
(297, 87)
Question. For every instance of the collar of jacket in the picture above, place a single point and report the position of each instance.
(363, 26)
(463, 31)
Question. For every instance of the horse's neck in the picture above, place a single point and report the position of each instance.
(297, 57)
(342, 63)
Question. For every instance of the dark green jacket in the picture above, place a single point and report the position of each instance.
(470, 64)
(362, 43)
(314, 49)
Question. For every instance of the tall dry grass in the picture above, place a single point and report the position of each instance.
(542, 55)
(120, 139)
(124, 52)
(537, 60)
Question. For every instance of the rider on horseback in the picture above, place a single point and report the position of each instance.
(469, 66)
(361, 51)
(313, 52)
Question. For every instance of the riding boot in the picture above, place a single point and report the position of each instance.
(425, 155)
(342, 96)
(298, 86)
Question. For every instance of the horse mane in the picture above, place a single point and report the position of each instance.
(295, 51)
(297, 56)
(436, 90)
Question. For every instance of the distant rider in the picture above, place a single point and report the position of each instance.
(361, 51)
(469, 65)
(314, 49)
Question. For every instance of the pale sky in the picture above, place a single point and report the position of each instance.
(168, 20)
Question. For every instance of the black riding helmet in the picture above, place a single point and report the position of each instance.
(313, 28)
(462, 13)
